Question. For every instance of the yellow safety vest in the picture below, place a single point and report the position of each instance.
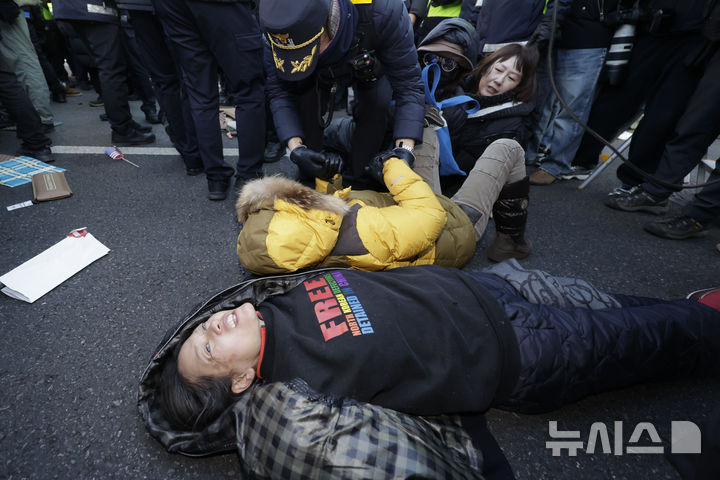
(450, 10)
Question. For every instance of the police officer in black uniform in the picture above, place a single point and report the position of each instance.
(97, 23)
(207, 34)
(166, 79)
(315, 48)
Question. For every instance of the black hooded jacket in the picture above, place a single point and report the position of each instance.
(471, 134)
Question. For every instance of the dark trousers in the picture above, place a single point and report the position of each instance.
(657, 78)
(568, 351)
(696, 129)
(56, 49)
(48, 70)
(80, 59)
(372, 116)
(138, 74)
(15, 100)
(104, 42)
(705, 206)
(165, 75)
(206, 35)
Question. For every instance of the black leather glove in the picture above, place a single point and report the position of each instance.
(9, 11)
(374, 168)
(333, 164)
(316, 164)
(399, 152)
(541, 36)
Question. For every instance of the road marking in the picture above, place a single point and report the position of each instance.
(84, 150)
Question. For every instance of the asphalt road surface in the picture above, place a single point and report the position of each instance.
(70, 362)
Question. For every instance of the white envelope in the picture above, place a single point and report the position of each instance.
(42, 273)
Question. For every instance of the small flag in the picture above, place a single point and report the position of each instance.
(115, 153)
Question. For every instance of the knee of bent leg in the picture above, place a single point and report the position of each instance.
(504, 151)
(509, 146)
(512, 154)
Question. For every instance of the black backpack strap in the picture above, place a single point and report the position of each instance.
(360, 63)
(365, 33)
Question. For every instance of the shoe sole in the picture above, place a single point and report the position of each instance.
(578, 176)
(44, 160)
(654, 210)
(501, 255)
(671, 236)
(132, 144)
(217, 196)
(532, 181)
(702, 290)
(542, 184)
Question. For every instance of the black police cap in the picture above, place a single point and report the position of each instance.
(294, 28)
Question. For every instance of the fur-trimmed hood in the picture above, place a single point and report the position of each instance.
(286, 225)
(257, 192)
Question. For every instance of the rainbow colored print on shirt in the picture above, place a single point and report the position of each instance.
(337, 309)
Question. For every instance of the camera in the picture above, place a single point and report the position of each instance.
(365, 67)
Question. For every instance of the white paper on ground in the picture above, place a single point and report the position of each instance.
(42, 273)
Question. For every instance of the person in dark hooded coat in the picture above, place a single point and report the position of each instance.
(486, 142)
(452, 38)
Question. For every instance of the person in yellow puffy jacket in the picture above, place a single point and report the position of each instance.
(288, 226)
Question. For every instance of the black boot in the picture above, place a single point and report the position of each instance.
(131, 137)
(510, 215)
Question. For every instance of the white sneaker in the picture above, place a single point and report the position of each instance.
(577, 173)
(621, 190)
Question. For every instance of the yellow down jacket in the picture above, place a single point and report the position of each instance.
(288, 226)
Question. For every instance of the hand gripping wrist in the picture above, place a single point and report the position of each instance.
(296, 153)
(404, 153)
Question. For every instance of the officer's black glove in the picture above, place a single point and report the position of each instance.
(374, 168)
(9, 11)
(316, 164)
(398, 152)
(541, 36)
(405, 154)
(333, 164)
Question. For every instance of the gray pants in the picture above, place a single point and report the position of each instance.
(502, 162)
(20, 56)
(427, 159)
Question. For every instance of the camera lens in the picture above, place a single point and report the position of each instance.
(619, 53)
